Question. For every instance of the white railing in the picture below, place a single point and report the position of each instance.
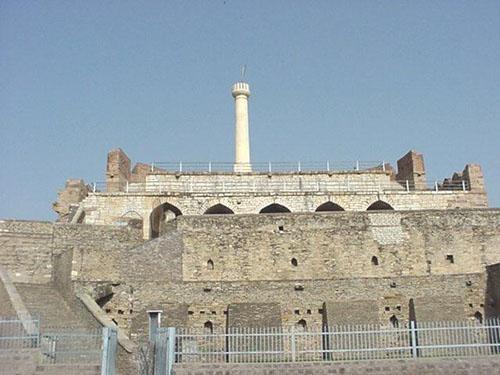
(292, 186)
(286, 167)
(334, 343)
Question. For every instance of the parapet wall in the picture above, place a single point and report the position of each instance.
(29, 249)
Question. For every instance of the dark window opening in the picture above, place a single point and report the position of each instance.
(450, 259)
(394, 321)
(210, 265)
(398, 307)
(208, 327)
(320, 311)
(190, 312)
(214, 312)
(387, 308)
(374, 261)
(294, 262)
(281, 228)
(393, 284)
(296, 312)
(121, 312)
(479, 317)
(309, 311)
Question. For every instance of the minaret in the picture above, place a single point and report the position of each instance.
(241, 92)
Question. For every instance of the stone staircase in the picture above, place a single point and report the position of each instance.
(45, 302)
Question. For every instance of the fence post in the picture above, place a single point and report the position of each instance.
(407, 185)
(152, 167)
(170, 349)
(108, 351)
(94, 187)
(209, 167)
(298, 166)
(436, 186)
(463, 185)
(357, 165)
(180, 167)
(270, 169)
(383, 166)
(414, 352)
(126, 187)
(328, 165)
(292, 344)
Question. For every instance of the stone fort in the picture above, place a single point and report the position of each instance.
(250, 244)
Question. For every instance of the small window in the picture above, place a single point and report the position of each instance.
(450, 259)
(296, 312)
(210, 265)
(281, 228)
(387, 308)
(294, 262)
(393, 284)
(190, 312)
(398, 307)
(308, 312)
(320, 311)
(208, 327)
(121, 312)
(374, 261)
(214, 312)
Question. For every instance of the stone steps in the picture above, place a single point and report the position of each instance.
(44, 302)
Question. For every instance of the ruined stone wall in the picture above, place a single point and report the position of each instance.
(305, 299)
(26, 250)
(110, 208)
(338, 245)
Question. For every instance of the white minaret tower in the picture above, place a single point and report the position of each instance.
(241, 92)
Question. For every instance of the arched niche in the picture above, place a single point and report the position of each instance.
(274, 208)
(329, 206)
(380, 205)
(218, 209)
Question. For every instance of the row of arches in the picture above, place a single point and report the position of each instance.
(167, 211)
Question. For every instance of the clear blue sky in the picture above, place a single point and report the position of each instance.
(338, 80)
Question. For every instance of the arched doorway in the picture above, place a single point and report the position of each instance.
(329, 206)
(160, 215)
(218, 209)
(274, 208)
(380, 205)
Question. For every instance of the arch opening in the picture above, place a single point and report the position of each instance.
(374, 261)
(274, 209)
(210, 265)
(161, 215)
(218, 209)
(394, 321)
(208, 327)
(294, 262)
(380, 205)
(301, 325)
(328, 207)
(479, 317)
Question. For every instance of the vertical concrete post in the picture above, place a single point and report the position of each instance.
(109, 346)
(414, 352)
(154, 323)
(241, 93)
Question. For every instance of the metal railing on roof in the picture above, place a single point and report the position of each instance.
(268, 167)
(274, 187)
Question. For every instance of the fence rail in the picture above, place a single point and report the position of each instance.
(72, 346)
(292, 186)
(333, 343)
(17, 334)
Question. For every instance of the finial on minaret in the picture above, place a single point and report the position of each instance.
(241, 93)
